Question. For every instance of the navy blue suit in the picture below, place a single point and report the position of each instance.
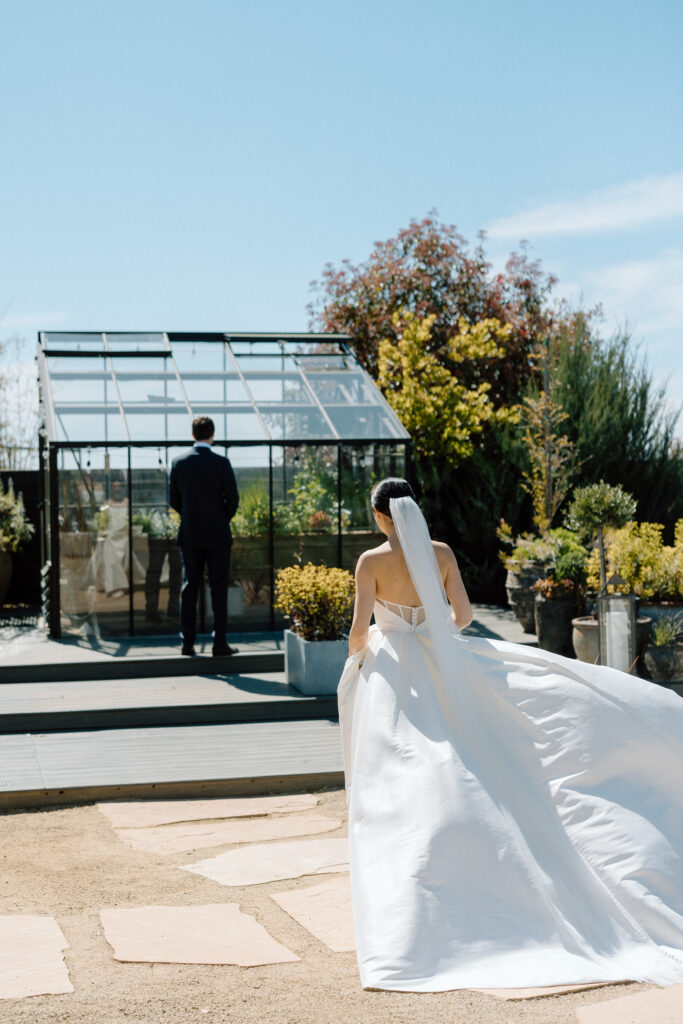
(203, 490)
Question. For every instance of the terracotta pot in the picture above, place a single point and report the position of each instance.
(5, 573)
(586, 638)
(664, 664)
(554, 623)
(520, 596)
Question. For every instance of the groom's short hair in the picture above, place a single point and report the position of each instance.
(203, 428)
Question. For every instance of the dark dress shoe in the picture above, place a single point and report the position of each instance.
(220, 652)
(188, 651)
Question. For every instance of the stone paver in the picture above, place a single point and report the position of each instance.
(324, 910)
(218, 933)
(272, 862)
(656, 1006)
(196, 835)
(31, 959)
(147, 813)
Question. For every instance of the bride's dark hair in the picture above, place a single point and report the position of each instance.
(385, 490)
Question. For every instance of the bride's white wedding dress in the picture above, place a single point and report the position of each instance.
(515, 817)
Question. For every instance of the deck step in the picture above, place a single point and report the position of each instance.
(154, 701)
(131, 667)
(176, 762)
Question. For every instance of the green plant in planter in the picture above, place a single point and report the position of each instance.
(155, 523)
(650, 569)
(595, 508)
(318, 600)
(559, 549)
(526, 549)
(15, 526)
(253, 515)
(668, 630)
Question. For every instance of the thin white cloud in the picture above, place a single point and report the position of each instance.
(648, 201)
(648, 293)
(645, 296)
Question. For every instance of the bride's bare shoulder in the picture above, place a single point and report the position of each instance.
(372, 556)
(444, 553)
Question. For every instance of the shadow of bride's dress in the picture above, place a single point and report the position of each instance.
(517, 824)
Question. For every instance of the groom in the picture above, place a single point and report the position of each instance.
(204, 491)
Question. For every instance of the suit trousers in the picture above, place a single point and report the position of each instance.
(217, 562)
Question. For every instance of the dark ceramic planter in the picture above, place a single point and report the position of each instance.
(518, 587)
(554, 623)
(5, 574)
(664, 664)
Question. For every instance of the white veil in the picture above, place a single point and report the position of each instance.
(413, 536)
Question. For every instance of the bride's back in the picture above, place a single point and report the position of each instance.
(393, 582)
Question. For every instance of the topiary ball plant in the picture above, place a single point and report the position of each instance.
(317, 600)
(596, 507)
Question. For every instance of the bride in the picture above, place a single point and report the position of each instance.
(515, 817)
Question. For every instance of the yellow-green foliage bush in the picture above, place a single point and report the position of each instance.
(651, 569)
(317, 600)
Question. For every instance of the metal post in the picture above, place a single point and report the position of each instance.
(131, 581)
(55, 624)
(339, 505)
(271, 538)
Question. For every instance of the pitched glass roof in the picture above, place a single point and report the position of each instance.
(147, 387)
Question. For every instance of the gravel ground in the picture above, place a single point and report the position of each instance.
(67, 862)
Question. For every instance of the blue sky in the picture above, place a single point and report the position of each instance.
(193, 165)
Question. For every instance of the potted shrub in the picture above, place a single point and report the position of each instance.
(526, 562)
(318, 601)
(15, 531)
(663, 656)
(558, 554)
(595, 508)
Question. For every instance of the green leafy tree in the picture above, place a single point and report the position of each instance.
(438, 409)
(549, 450)
(621, 424)
(428, 270)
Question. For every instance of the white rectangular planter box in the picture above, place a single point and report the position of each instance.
(314, 666)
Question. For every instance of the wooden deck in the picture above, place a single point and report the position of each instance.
(182, 761)
(106, 719)
(155, 701)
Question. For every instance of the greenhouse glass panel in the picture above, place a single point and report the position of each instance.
(81, 380)
(250, 594)
(205, 357)
(94, 564)
(79, 342)
(91, 426)
(226, 388)
(135, 342)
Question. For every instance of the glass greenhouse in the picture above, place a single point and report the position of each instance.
(305, 427)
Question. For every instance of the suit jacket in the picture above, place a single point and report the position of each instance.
(203, 490)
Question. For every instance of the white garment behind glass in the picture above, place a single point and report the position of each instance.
(515, 817)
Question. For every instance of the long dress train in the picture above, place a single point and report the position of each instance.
(515, 818)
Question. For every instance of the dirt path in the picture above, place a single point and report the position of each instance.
(68, 862)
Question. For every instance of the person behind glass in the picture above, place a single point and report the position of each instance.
(204, 491)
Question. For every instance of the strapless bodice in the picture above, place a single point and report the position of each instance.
(392, 616)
